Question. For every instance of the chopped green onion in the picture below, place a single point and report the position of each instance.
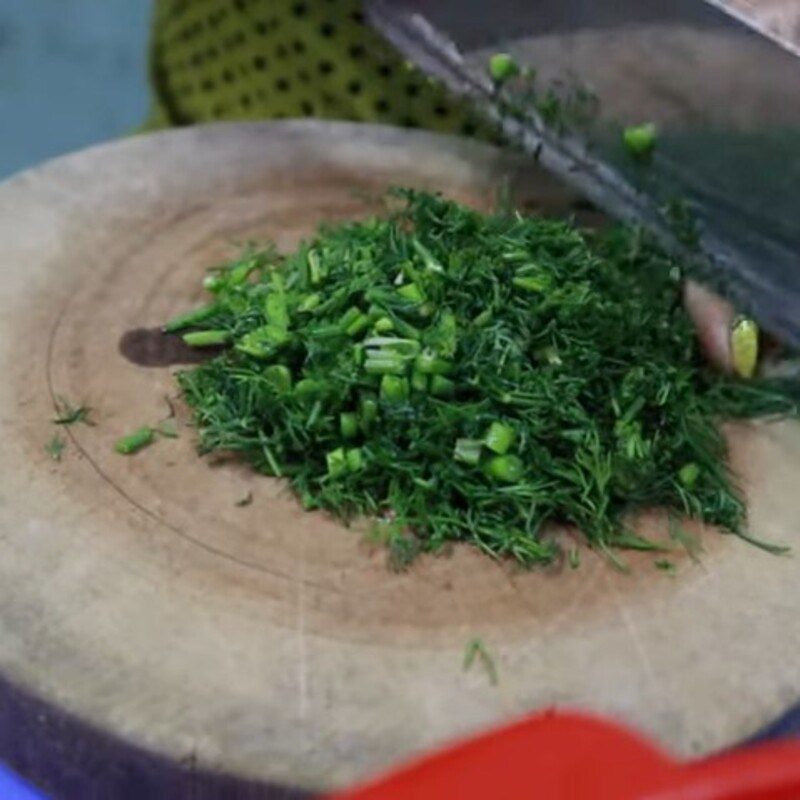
(640, 140)
(412, 293)
(405, 347)
(385, 363)
(314, 267)
(688, 474)
(419, 381)
(206, 338)
(530, 283)
(348, 424)
(279, 376)
(468, 451)
(394, 389)
(309, 388)
(354, 321)
(191, 318)
(309, 303)
(430, 364)
(355, 459)
(337, 462)
(508, 469)
(275, 306)
(442, 387)
(384, 325)
(430, 262)
(263, 342)
(128, 445)
(502, 67)
(500, 437)
(368, 412)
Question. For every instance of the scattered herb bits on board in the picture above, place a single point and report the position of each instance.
(457, 376)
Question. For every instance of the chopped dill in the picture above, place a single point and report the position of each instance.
(67, 414)
(457, 376)
(665, 566)
(55, 447)
(477, 649)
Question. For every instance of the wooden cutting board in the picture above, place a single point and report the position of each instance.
(140, 605)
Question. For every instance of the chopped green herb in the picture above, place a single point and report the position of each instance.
(191, 318)
(473, 408)
(574, 558)
(70, 415)
(665, 566)
(55, 447)
(134, 442)
(477, 649)
(207, 338)
(499, 437)
(640, 140)
(502, 66)
(689, 542)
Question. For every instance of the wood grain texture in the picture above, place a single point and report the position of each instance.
(781, 18)
(273, 644)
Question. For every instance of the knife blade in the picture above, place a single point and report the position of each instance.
(725, 100)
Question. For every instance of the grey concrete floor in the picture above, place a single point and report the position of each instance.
(72, 73)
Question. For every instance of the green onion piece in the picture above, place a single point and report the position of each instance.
(550, 356)
(337, 462)
(315, 272)
(394, 389)
(688, 474)
(353, 321)
(640, 140)
(190, 318)
(430, 262)
(355, 459)
(206, 338)
(316, 410)
(213, 283)
(348, 424)
(483, 318)
(412, 293)
(275, 306)
(309, 303)
(240, 272)
(468, 451)
(530, 283)
(574, 558)
(357, 325)
(368, 412)
(500, 437)
(384, 363)
(419, 381)
(507, 469)
(408, 348)
(132, 443)
(502, 66)
(263, 342)
(430, 364)
(384, 325)
(309, 388)
(279, 376)
(442, 387)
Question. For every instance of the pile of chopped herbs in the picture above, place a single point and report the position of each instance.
(457, 376)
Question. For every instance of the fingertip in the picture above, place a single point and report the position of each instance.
(712, 317)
